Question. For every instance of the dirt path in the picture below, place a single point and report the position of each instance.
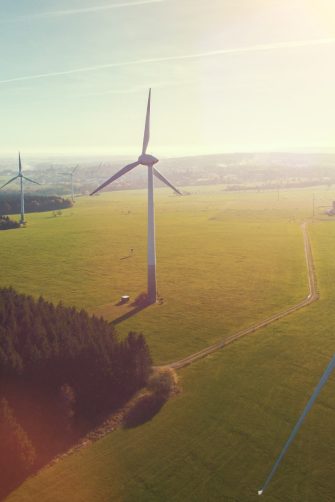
(115, 421)
(313, 295)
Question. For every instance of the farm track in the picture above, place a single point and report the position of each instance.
(313, 296)
(115, 421)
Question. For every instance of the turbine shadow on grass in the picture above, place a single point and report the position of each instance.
(129, 314)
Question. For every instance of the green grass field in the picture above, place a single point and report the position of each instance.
(225, 261)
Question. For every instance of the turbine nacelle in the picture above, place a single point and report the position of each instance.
(147, 160)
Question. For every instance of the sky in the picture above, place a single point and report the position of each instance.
(226, 76)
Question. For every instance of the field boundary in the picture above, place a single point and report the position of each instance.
(313, 296)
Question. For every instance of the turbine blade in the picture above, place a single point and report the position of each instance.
(164, 180)
(309, 405)
(20, 165)
(147, 127)
(9, 182)
(75, 168)
(31, 181)
(115, 176)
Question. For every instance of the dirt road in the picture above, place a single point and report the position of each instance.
(312, 296)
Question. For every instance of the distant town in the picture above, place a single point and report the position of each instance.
(236, 171)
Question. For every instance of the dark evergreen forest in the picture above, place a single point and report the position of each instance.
(10, 203)
(7, 224)
(61, 372)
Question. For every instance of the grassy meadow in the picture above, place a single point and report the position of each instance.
(225, 260)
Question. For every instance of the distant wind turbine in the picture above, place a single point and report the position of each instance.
(71, 173)
(148, 161)
(21, 177)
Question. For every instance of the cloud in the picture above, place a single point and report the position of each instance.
(239, 50)
(85, 10)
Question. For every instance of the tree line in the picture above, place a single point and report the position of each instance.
(7, 224)
(10, 203)
(61, 371)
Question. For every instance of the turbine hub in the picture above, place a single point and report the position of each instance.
(147, 160)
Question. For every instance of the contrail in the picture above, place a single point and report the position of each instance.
(139, 88)
(85, 10)
(297, 426)
(199, 55)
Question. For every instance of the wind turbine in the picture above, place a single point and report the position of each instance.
(148, 161)
(21, 177)
(71, 177)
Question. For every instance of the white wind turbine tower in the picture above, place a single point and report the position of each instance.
(148, 161)
(21, 177)
(71, 173)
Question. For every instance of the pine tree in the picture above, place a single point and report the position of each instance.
(17, 454)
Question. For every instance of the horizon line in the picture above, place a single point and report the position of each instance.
(101, 152)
